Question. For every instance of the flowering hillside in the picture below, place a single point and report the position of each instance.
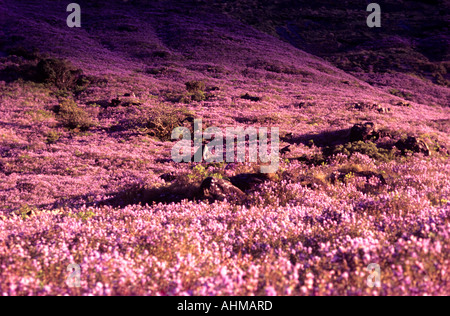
(87, 177)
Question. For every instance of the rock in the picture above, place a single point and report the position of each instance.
(382, 109)
(363, 106)
(285, 150)
(413, 144)
(364, 132)
(403, 103)
(214, 189)
(247, 182)
(168, 177)
(311, 182)
(359, 105)
(302, 105)
(440, 149)
(251, 98)
(115, 102)
(250, 181)
(128, 99)
(288, 137)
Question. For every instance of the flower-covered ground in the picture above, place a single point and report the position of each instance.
(86, 175)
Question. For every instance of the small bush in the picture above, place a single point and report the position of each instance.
(176, 97)
(366, 148)
(58, 72)
(401, 94)
(195, 92)
(195, 86)
(198, 96)
(200, 173)
(52, 137)
(61, 94)
(160, 122)
(157, 70)
(74, 117)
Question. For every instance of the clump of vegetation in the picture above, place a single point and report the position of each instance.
(52, 137)
(193, 86)
(26, 211)
(60, 73)
(366, 148)
(196, 90)
(177, 97)
(159, 122)
(278, 68)
(73, 117)
(157, 70)
(39, 115)
(82, 215)
(23, 52)
(401, 94)
(200, 172)
(162, 123)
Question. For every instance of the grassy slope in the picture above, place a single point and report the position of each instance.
(152, 52)
(192, 45)
(412, 43)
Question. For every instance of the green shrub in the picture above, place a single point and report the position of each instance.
(200, 173)
(198, 96)
(74, 117)
(61, 94)
(52, 137)
(401, 94)
(196, 90)
(160, 122)
(175, 97)
(195, 86)
(58, 72)
(366, 148)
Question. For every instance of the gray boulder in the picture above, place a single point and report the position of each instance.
(364, 132)
(413, 144)
(213, 189)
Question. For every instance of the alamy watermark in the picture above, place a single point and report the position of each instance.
(374, 278)
(235, 140)
(373, 20)
(73, 280)
(74, 18)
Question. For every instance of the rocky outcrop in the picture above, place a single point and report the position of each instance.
(213, 189)
(413, 144)
(251, 181)
(364, 132)
(128, 99)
